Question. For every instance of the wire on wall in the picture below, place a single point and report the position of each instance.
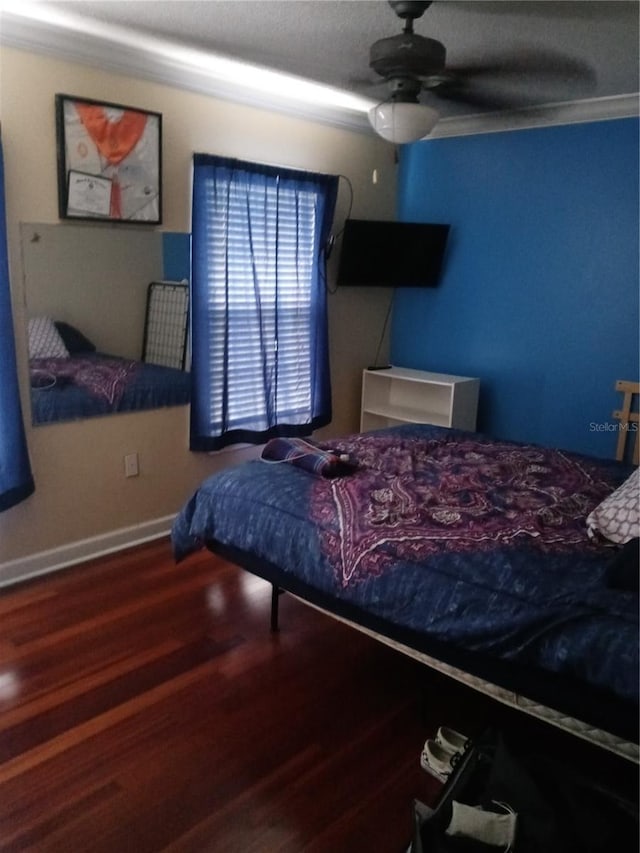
(334, 237)
(384, 329)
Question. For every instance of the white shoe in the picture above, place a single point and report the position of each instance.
(451, 739)
(437, 759)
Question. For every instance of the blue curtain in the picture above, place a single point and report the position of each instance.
(16, 481)
(259, 330)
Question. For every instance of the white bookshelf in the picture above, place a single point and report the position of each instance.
(401, 395)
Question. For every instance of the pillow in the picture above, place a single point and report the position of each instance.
(617, 518)
(623, 572)
(308, 456)
(73, 339)
(45, 340)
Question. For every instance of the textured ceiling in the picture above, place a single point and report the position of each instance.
(328, 40)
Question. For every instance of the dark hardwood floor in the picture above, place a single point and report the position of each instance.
(146, 706)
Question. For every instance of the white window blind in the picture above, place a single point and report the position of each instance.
(260, 261)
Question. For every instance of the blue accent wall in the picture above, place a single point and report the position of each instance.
(539, 296)
(176, 256)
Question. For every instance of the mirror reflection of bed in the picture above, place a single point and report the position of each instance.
(107, 309)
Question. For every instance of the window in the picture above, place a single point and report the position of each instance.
(16, 481)
(259, 318)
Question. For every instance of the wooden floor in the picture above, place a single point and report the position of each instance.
(146, 706)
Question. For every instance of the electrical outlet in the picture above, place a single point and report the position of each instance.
(131, 465)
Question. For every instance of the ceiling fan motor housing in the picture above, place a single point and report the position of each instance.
(407, 55)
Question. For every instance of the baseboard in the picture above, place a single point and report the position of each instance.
(55, 559)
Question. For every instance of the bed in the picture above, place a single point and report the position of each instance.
(70, 380)
(472, 555)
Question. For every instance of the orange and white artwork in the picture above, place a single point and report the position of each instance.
(109, 159)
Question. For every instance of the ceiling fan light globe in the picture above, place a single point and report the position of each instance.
(399, 122)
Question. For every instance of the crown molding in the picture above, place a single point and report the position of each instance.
(116, 51)
(155, 60)
(546, 115)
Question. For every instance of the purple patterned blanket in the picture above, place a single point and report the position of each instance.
(411, 500)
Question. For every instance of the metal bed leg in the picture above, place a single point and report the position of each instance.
(276, 592)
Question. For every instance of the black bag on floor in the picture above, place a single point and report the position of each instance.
(557, 811)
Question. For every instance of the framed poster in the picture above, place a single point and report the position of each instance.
(109, 161)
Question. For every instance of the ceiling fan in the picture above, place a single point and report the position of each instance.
(412, 64)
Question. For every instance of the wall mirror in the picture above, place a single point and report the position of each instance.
(87, 292)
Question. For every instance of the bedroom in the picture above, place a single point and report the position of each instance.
(64, 522)
(603, 171)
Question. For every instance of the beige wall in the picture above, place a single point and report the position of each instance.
(81, 492)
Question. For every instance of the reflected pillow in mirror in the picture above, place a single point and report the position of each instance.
(73, 339)
(45, 340)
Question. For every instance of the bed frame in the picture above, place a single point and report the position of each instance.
(574, 726)
(579, 728)
(626, 417)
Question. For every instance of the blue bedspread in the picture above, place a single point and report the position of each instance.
(476, 544)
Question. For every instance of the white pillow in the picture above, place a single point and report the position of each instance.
(617, 518)
(45, 340)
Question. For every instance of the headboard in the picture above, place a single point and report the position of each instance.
(628, 418)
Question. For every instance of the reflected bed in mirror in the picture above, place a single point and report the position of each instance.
(102, 340)
(74, 383)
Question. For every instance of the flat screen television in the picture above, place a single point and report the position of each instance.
(391, 254)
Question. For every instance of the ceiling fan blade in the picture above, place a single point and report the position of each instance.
(529, 62)
(374, 89)
(370, 81)
(472, 97)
